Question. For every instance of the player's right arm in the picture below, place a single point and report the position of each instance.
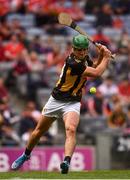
(98, 71)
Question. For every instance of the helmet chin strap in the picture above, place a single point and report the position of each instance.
(79, 59)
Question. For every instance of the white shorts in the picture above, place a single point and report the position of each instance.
(57, 109)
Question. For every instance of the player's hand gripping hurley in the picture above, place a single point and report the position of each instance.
(65, 19)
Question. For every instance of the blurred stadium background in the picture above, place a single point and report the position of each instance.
(33, 47)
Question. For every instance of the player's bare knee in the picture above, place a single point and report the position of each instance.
(70, 130)
(37, 132)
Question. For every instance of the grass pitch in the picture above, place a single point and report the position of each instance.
(100, 174)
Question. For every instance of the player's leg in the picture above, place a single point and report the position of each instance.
(71, 121)
(43, 125)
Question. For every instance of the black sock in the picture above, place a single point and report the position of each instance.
(67, 158)
(27, 152)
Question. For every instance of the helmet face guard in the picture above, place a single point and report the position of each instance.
(80, 42)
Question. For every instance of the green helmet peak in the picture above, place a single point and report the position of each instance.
(80, 42)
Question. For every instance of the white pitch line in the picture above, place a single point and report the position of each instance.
(18, 178)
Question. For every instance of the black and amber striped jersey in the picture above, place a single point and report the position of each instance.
(70, 84)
